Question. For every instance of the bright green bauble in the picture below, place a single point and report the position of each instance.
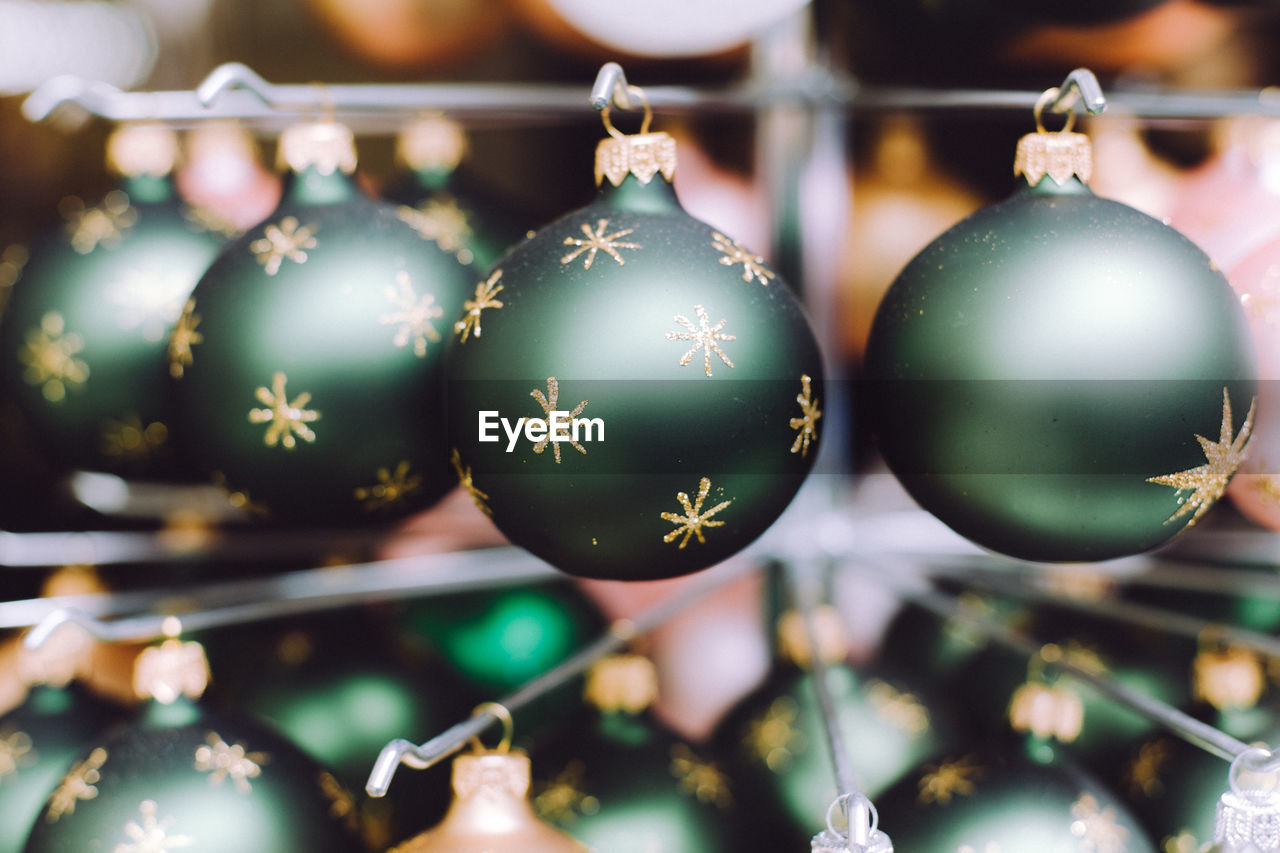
(38, 742)
(308, 362)
(82, 341)
(219, 783)
(994, 799)
(1060, 377)
(692, 355)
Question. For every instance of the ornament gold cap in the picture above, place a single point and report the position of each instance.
(643, 155)
(172, 669)
(627, 683)
(144, 148)
(831, 637)
(431, 142)
(325, 146)
(1061, 155)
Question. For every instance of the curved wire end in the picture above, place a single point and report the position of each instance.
(232, 75)
(610, 87)
(55, 619)
(1080, 85)
(384, 769)
(65, 89)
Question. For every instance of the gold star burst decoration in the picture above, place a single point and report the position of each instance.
(414, 315)
(286, 241)
(485, 291)
(285, 419)
(183, 338)
(464, 479)
(391, 488)
(701, 779)
(732, 253)
(103, 225)
(342, 805)
(223, 761)
(548, 403)
(773, 737)
(694, 519)
(80, 783)
(128, 439)
(561, 800)
(598, 241)
(16, 752)
(50, 356)
(807, 423)
(151, 835)
(898, 708)
(942, 782)
(443, 222)
(1098, 829)
(704, 336)
(1207, 482)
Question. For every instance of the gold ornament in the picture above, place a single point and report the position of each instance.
(1207, 482)
(485, 291)
(598, 241)
(170, 670)
(807, 423)
(464, 479)
(148, 148)
(1061, 155)
(325, 146)
(548, 404)
(732, 252)
(1047, 711)
(390, 488)
(222, 761)
(622, 683)
(642, 155)
(431, 142)
(286, 241)
(285, 419)
(705, 337)
(694, 519)
(1227, 677)
(50, 356)
(80, 783)
(183, 338)
(414, 315)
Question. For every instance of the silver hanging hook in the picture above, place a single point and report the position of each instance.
(611, 87)
(97, 98)
(234, 75)
(1080, 85)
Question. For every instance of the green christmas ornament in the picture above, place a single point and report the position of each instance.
(306, 363)
(83, 336)
(442, 201)
(1060, 377)
(687, 383)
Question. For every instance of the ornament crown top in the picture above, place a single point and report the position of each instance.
(142, 149)
(325, 146)
(432, 142)
(642, 154)
(1061, 155)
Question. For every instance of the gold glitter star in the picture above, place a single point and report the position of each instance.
(1098, 829)
(202, 218)
(224, 761)
(390, 488)
(49, 354)
(129, 440)
(773, 738)
(148, 298)
(79, 784)
(464, 479)
(701, 779)
(598, 241)
(899, 709)
(12, 260)
(183, 338)
(1144, 771)
(548, 404)
(562, 800)
(151, 835)
(15, 752)
(485, 291)
(950, 779)
(104, 225)
(342, 805)
(286, 419)
(705, 337)
(733, 252)
(443, 222)
(1209, 481)
(807, 423)
(415, 315)
(694, 519)
(282, 242)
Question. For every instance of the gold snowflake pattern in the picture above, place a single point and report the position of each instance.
(443, 222)
(80, 783)
(941, 782)
(414, 315)
(732, 253)
(694, 519)
(286, 241)
(598, 241)
(703, 780)
(16, 752)
(286, 419)
(104, 225)
(223, 761)
(183, 337)
(342, 805)
(562, 800)
(548, 404)
(128, 440)
(1207, 482)
(773, 737)
(704, 336)
(1145, 771)
(202, 218)
(1098, 828)
(151, 835)
(12, 261)
(391, 488)
(50, 356)
(485, 291)
(148, 299)
(464, 479)
(807, 423)
(898, 708)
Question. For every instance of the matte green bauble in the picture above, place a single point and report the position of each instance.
(992, 800)
(443, 201)
(1060, 377)
(82, 340)
(307, 361)
(690, 374)
(213, 784)
(38, 742)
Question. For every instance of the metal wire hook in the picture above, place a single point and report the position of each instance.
(1080, 85)
(234, 75)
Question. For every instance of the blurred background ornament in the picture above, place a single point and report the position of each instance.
(223, 178)
(411, 34)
